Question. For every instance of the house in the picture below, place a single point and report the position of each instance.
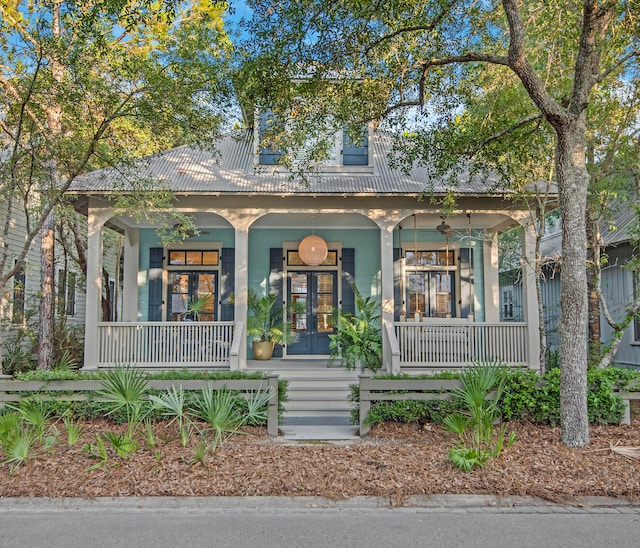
(435, 275)
(616, 281)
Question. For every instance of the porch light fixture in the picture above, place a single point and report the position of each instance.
(313, 250)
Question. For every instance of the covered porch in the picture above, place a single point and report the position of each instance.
(394, 248)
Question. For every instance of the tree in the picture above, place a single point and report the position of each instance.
(403, 56)
(95, 84)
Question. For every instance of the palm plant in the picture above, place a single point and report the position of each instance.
(482, 387)
(172, 403)
(218, 409)
(123, 389)
(266, 323)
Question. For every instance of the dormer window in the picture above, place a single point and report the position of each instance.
(355, 148)
(348, 149)
(268, 156)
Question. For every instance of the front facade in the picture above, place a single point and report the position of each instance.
(435, 276)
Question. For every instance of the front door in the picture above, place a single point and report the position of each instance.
(313, 298)
(185, 288)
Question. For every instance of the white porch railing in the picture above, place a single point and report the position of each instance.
(165, 344)
(456, 343)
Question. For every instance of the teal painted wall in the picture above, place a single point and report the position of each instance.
(149, 239)
(366, 243)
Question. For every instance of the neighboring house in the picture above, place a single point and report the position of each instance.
(19, 303)
(617, 286)
(379, 233)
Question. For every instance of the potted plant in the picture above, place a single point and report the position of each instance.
(266, 325)
(358, 341)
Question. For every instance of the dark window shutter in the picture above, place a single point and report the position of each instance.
(227, 277)
(348, 280)
(276, 283)
(154, 312)
(268, 156)
(355, 149)
(466, 281)
(397, 282)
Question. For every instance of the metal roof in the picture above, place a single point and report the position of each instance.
(231, 169)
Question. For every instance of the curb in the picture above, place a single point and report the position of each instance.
(433, 502)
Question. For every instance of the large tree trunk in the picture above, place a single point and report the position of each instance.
(47, 298)
(573, 181)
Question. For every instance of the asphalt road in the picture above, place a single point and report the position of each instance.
(246, 526)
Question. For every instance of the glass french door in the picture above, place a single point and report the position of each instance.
(185, 287)
(313, 299)
(432, 293)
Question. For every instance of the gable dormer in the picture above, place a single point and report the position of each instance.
(348, 151)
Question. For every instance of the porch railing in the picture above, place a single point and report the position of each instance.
(456, 343)
(165, 344)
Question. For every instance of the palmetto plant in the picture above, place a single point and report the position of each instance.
(218, 409)
(172, 403)
(33, 412)
(20, 448)
(124, 389)
(482, 386)
(255, 408)
(74, 430)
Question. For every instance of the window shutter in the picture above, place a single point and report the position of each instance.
(276, 255)
(466, 282)
(154, 311)
(227, 283)
(348, 280)
(397, 282)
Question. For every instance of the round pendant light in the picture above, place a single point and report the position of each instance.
(312, 250)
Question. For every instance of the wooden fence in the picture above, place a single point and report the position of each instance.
(86, 390)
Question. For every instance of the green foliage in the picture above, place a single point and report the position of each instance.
(172, 404)
(74, 430)
(358, 339)
(266, 322)
(218, 409)
(33, 412)
(123, 390)
(123, 444)
(479, 440)
(20, 448)
(16, 358)
(98, 451)
(10, 425)
(253, 409)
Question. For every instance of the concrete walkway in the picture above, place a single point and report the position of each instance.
(319, 432)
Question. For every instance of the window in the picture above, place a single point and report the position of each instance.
(193, 257)
(71, 294)
(355, 148)
(293, 259)
(430, 283)
(507, 304)
(19, 283)
(268, 155)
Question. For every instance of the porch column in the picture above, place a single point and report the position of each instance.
(386, 294)
(96, 219)
(529, 295)
(491, 278)
(130, 276)
(241, 281)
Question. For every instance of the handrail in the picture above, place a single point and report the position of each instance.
(237, 345)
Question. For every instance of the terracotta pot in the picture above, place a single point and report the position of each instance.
(262, 350)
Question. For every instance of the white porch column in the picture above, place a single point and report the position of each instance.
(529, 295)
(131, 268)
(491, 278)
(241, 281)
(95, 223)
(386, 294)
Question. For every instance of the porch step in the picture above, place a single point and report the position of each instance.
(317, 394)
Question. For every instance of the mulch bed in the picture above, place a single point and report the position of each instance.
(394, 461)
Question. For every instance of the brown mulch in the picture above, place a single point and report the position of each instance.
(394, 461)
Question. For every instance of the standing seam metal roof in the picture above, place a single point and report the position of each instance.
(231, 170)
